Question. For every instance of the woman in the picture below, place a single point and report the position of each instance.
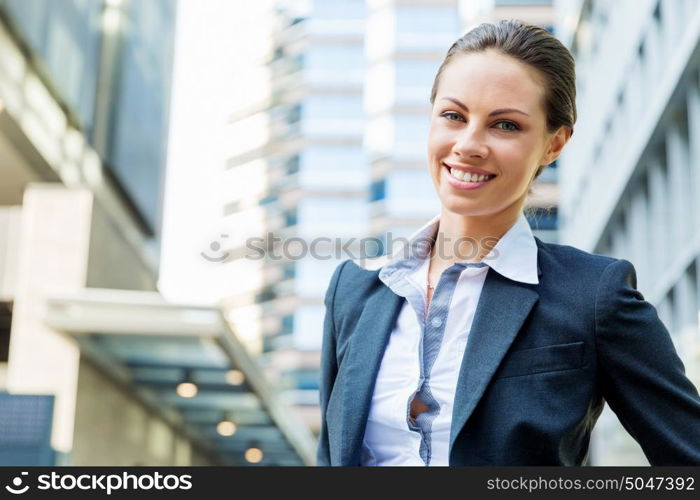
(477, 343)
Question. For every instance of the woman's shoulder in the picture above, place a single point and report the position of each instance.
(549, 254)
(569, 255)
(588, 267)
(353, 276)
(358, 277)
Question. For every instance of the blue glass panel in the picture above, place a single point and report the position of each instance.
(25, 430)
(140, 109)
(65, 36)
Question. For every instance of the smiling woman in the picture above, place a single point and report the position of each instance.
(504, 106)
(476, 343)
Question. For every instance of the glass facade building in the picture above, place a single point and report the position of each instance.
(638, 131)
(138, 112)
(110, 63)
(314, 179)
(127, 377)
(65, 36)
(406, 42)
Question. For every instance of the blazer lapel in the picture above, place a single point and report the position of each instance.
(367, 345)
(503, 306)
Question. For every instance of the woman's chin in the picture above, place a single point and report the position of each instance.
(458, 205)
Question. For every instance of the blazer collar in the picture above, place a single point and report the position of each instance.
(514, 256)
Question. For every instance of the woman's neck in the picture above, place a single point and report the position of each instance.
(467, 238)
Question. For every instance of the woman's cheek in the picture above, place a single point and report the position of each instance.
(432, 146)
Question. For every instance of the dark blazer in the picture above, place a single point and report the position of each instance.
(540, 363)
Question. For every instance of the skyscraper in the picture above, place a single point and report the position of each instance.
(630, 177)
(406, 42)
(313, 179)
(84, 106)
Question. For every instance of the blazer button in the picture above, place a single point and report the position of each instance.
(436, 322)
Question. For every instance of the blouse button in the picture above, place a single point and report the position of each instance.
(436, 322)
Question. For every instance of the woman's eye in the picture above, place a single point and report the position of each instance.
(509, 126)
(452, 116)
(505, 126)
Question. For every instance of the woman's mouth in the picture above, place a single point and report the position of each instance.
(461, 179)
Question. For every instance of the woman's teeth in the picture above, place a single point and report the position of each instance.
(466, 176)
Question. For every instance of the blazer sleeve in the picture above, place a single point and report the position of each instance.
(643, 379)
(329, 366)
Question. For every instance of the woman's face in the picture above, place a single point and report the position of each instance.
(488, 119)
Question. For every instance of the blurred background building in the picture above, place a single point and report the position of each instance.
(630, 177)
(153, 319)
(405, 44)
(302, 143)
(97, 368)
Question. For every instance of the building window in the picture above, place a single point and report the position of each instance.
(294, 114)
(332, 216)
(288, 324)
(66, 38)
(267, 200)
(378, 190)
(543, 218)
(429, 20)
(292, 165)
(288, 271)
(267, 294)
(410, 193)
(277, 342)
(335, 58)
(301, 379)
(657, 12)
(290, 218)
(333, 166)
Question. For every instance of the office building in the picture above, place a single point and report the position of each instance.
(630, 177)
(96, 368)
(306, 178)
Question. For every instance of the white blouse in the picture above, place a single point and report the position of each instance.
(391, 436)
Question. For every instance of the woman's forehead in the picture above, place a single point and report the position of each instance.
(492, 77)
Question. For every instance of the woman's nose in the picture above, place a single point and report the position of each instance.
(470, 143)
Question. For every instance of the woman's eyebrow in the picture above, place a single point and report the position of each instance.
(492, 113)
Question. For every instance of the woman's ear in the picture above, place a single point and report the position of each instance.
(556, 144)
